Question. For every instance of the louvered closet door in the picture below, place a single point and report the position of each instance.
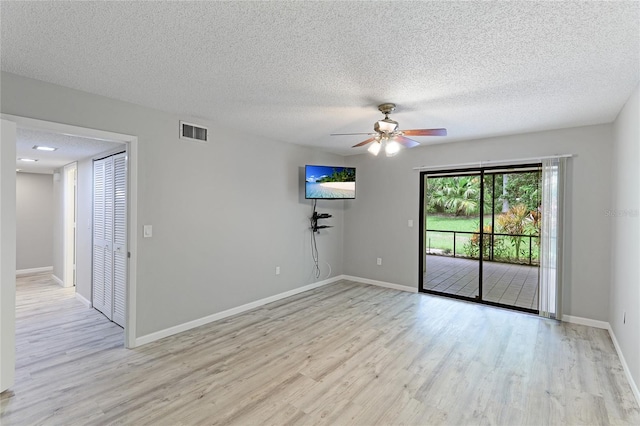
(110, 237)
(103, 236)
(99, 243)
(119, 237)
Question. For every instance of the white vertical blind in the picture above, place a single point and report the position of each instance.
(551, 237)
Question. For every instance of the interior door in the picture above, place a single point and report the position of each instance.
(103, 236)
(110, 256)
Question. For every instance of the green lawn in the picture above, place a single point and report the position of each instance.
(452, 223)
(444, 240)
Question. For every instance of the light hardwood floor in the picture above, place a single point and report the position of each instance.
(346, 353)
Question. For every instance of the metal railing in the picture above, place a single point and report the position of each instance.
(490, 235)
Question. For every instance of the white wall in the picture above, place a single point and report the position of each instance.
(84, 219)
(389, 190)
(625, 230)
(34, 222)
(224, 214)
(57, 216)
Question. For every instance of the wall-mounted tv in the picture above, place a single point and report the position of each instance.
(330, 182)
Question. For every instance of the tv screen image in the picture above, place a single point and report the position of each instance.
(330, 182)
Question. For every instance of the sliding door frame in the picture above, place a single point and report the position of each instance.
(421, 238)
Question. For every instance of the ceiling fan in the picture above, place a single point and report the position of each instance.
(387, 134)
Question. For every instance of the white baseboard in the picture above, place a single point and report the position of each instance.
(380, 283)
(57, 280)
(30, 271)
(143, 340)
(625, 366)
(585, 321)
(84, 301)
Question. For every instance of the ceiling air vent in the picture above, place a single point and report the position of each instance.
(193, 132)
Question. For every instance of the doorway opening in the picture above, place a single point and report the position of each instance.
(83, 220)
(480, 235)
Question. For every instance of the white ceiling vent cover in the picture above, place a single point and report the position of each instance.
(193, 132)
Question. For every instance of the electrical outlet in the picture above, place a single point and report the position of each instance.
(277, 270)
(410, 223)
(379, 261)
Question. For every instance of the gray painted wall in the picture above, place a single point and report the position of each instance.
(34, 220)
(625, 231)
(224, 214)
(389, 190)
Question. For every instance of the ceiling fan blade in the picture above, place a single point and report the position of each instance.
(425, 132)
(364, 142)
(347, 134)
(406, 142)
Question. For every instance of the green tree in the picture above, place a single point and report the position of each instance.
(517, 221)
(344, 175)
(458, 195)
(522, 188)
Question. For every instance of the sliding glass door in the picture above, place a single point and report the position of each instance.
(480, 235)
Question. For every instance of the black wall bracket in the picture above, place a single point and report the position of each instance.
(314, 221)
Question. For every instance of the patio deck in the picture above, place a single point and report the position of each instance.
(504, 283)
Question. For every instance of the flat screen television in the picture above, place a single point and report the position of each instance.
(330, 182)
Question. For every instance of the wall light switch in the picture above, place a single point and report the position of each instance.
(410, 223)
(147, 231)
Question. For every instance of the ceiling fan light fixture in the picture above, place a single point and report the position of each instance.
(388, 135)
(374, 148)
(391, 148)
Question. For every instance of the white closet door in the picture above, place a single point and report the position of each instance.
(103, 236)
(99, 242)
(108, 236)
(119, 238)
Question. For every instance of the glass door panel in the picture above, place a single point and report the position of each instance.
(510, 266)
(452, 206)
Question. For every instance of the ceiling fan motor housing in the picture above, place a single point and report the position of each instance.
(386, 126)
(387, 108)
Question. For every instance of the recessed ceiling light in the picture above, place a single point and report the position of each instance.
(44, 148)
(29, 160)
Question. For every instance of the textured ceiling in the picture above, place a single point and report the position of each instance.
(70, 149)
(298, 71)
